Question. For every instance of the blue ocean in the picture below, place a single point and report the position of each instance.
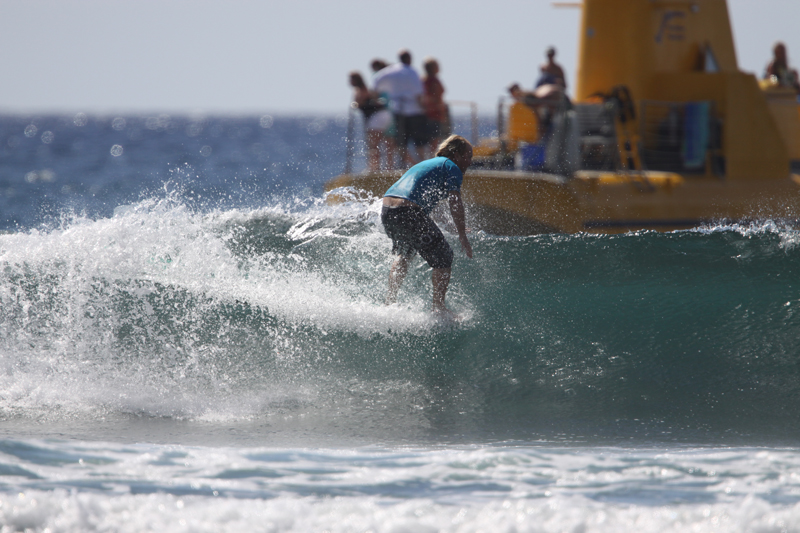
(193, 339)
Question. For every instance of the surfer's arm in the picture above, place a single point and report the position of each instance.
(457, 211)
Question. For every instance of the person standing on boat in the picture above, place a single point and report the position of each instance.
(387, 136)
(404, 87)
(551, 72)
(435, 108)
(779, 69)
(376, 119)
(406, 217)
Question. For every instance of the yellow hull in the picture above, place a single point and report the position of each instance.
(526, 203)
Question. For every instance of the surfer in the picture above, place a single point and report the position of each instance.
(406, 217)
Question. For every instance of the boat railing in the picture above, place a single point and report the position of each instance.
(598, 144)
(680, 137)
(473, 116)
(350, 141)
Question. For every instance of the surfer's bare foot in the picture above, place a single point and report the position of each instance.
(446, 314)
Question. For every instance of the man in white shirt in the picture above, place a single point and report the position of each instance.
(404, 88)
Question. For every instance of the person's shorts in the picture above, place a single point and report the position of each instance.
(412, 128)
(380, 121)
(412, 231)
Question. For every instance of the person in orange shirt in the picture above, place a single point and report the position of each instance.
(433, 103)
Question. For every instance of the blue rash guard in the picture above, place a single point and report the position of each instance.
(428, 183)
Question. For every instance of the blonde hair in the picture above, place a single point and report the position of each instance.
(453, 146)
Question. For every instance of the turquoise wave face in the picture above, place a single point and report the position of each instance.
(275, 316)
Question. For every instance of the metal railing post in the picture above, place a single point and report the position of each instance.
(350, 141)
(474, 109)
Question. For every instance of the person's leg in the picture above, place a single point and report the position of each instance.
(396, 276)
(390, 157)
(420, 136)
(441, 280)
(402, 138)
(373, 150)
(438, 254)
(383, 148)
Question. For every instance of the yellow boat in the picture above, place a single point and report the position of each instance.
(665, 132)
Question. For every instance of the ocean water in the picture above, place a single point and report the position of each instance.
(192, 339)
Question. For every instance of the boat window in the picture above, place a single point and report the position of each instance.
(710, 60)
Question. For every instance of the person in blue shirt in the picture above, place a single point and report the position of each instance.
(406, 217)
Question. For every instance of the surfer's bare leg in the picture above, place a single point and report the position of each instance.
(441, 280)
(396, 276)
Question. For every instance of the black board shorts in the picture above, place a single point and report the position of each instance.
(412, 231)
(412, 128)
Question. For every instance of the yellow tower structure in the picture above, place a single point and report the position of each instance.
(628, 42)
(682, 51)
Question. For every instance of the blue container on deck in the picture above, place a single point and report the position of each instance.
(530, 157)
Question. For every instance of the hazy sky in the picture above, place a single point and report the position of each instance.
(288, 56)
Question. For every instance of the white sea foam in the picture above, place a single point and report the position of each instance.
(165, 243)
(62, 511)
(745, 229)
(96, 487)
(61, 294)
